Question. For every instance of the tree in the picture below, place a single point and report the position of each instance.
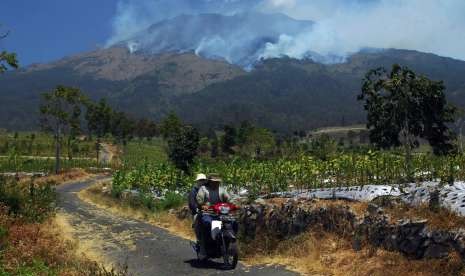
(182, 147)
(229, 139)
(214, 147)
(121, 127)
(244, 131)
(145, 128)
(260, 141)
(7, 59)
(60, 113)
(403, 107)
(99, 118)
(170, 126)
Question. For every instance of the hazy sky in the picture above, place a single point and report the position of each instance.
(45, 30)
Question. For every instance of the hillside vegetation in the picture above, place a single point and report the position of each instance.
(281, 94)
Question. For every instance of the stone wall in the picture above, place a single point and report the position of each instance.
(412, 238)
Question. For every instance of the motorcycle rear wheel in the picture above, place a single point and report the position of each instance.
(231, 255)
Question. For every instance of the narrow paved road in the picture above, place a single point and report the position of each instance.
(146, 249)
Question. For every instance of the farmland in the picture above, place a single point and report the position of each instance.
(304, 171)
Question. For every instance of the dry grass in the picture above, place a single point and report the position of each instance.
(26, 244)
(81, 248)
(443, 218)
(62, 178)
(165, 220)
(326, 254)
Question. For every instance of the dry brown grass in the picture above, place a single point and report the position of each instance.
(26, 243)
(165, 220)
(326, 254)
(443, 218)
(62, 178)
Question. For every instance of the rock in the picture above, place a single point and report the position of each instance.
(183, 213)
(436, 251)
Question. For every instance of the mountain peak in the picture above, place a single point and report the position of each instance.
(239, 38)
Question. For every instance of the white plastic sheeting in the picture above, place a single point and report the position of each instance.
(451, 196)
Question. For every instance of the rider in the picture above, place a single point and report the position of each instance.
(209, 194)
(200, 181)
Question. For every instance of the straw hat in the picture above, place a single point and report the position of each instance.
(200, 176)
(214, 178)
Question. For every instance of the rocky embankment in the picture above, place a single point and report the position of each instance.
(371, 226)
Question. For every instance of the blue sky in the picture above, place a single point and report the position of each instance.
(45, 30)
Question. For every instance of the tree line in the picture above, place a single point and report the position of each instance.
(67, 113)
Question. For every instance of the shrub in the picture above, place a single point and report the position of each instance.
(29, 201)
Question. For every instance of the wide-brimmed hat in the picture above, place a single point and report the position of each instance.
(214, 178)
(200, 176)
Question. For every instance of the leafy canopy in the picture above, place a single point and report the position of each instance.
(403, 107)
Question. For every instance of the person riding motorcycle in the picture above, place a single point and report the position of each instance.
(209, 194)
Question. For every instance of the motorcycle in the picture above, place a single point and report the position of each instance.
(222, 242)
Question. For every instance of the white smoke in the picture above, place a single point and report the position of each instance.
(342, 26)
(424, 25)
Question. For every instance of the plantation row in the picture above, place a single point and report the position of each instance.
(305, 171)
(45, 165)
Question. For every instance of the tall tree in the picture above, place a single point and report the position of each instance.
(403, 107)
(121, 127)
(170, 125)
(229, 139)
(98, 118)
(60, 112)
(183, 146)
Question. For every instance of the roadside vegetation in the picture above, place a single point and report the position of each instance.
(30, 240)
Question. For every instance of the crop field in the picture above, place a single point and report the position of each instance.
(35, 151)
(302, 172)
(138, 152)
(41, 144)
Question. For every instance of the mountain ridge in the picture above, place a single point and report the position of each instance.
(283, 94)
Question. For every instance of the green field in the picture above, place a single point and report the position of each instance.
(42, 144)
(138, 152)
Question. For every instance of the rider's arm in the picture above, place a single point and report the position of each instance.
(201, 196)
(225, 196)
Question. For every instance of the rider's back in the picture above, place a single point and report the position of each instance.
(193, 205)
(212, 196)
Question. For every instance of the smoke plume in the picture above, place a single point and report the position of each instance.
(342, 27)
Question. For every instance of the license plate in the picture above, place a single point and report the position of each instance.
(216, 224)
(216, 228)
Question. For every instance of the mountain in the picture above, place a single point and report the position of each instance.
(200, 67)
(282, 94)
(111, 73)
(238, 39)
(288, 94)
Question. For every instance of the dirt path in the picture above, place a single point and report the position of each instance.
(146, 249)
(108, 153)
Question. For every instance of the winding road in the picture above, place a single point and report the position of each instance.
(144, 248)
